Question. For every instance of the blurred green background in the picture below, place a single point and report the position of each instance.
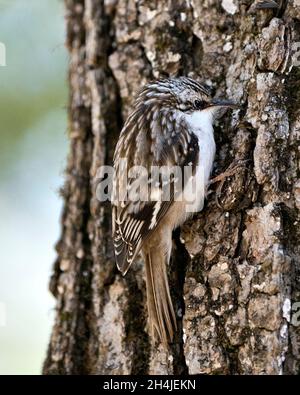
(33, 146)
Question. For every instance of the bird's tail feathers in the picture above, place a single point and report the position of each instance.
(162, 319)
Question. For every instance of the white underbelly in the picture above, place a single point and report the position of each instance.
(198, 184)
(196, 188)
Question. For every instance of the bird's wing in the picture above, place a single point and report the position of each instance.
(162, 142)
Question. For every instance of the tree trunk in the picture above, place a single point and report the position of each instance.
(235, 265)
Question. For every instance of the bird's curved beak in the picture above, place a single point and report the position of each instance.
(218, 107)
(223, 103)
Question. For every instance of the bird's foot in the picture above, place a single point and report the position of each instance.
(229, 172)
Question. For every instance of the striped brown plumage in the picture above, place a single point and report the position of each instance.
(159, 132)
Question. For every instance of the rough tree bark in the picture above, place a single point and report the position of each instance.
(235, 266)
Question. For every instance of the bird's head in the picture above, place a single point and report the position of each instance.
(186, 95)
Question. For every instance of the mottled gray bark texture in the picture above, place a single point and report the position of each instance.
(235, 268)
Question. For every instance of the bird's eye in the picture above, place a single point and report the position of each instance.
(200, 104)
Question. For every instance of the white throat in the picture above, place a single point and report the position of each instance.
(200, 120)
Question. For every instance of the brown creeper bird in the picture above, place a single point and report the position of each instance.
(170, 126)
